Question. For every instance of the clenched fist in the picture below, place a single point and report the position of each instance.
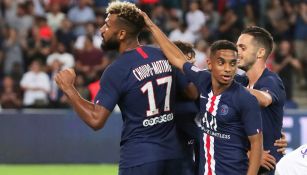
(65, 79)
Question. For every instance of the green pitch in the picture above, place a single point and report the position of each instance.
(62, 169)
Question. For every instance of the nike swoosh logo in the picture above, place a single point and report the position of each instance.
(201, 96)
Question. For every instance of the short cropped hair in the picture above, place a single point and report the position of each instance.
(222, 44)
(128, 14)
(186, 48)
(262, 37)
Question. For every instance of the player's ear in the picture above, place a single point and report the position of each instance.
(209, 64)
(122, 34)
(261, 52)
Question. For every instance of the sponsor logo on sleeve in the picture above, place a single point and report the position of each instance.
(195, 69)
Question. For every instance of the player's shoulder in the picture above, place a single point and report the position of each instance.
(153, 50)
(269, 77)
(241, 94)
(242, 79)
(116, 67)
(141, 54)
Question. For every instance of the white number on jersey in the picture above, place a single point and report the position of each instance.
(151, 96)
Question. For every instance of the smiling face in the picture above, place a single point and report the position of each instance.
(223, 66)
(247, 51)
(109, 32)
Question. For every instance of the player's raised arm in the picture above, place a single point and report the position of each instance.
(171, 51)
(93, 115)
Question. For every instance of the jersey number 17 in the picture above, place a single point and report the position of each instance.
(153, 110)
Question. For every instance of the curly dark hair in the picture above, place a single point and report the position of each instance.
(186, 48)
(128, 15)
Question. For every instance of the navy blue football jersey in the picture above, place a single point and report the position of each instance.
(188, 132)
(272, 115)
(141, 82)
(242, 79)
(226, 121)
(185, 109)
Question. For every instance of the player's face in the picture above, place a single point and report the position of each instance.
(247, 51)
(223, 66)
(109, 33)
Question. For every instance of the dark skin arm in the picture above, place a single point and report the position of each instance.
(268, 161)
(92, 114)
(171, 51)
(255, 153)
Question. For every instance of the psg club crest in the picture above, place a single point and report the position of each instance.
(224, 110)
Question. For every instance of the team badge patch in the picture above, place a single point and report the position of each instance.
(224, 110)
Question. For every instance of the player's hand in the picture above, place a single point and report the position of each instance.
(281, 143)
(267, 160)
(147, 20)
(65, 79)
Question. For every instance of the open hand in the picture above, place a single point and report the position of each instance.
(281, 144)
(268, 161)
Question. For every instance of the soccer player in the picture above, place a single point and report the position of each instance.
(141, 82)
(231, 117)
(254, 46)
(186, 109)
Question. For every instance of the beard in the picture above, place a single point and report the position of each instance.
(246, 65)
(243, 67)
(111, 44)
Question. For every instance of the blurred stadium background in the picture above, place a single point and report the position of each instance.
(40, 134)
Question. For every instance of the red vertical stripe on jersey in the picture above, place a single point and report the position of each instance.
(212, 104)
(208, 138)
(208, 154)
(141, 52)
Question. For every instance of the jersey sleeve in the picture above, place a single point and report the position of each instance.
(196, 75)
(110, 88)
(251, 115)
(181, 80)
(242, 79)
(274, 86)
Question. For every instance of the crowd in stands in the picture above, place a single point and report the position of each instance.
(38, 38)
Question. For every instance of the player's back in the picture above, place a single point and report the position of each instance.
(145, 84)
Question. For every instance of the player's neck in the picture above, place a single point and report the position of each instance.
(218, 88)
(128, 45)
(255, 72)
